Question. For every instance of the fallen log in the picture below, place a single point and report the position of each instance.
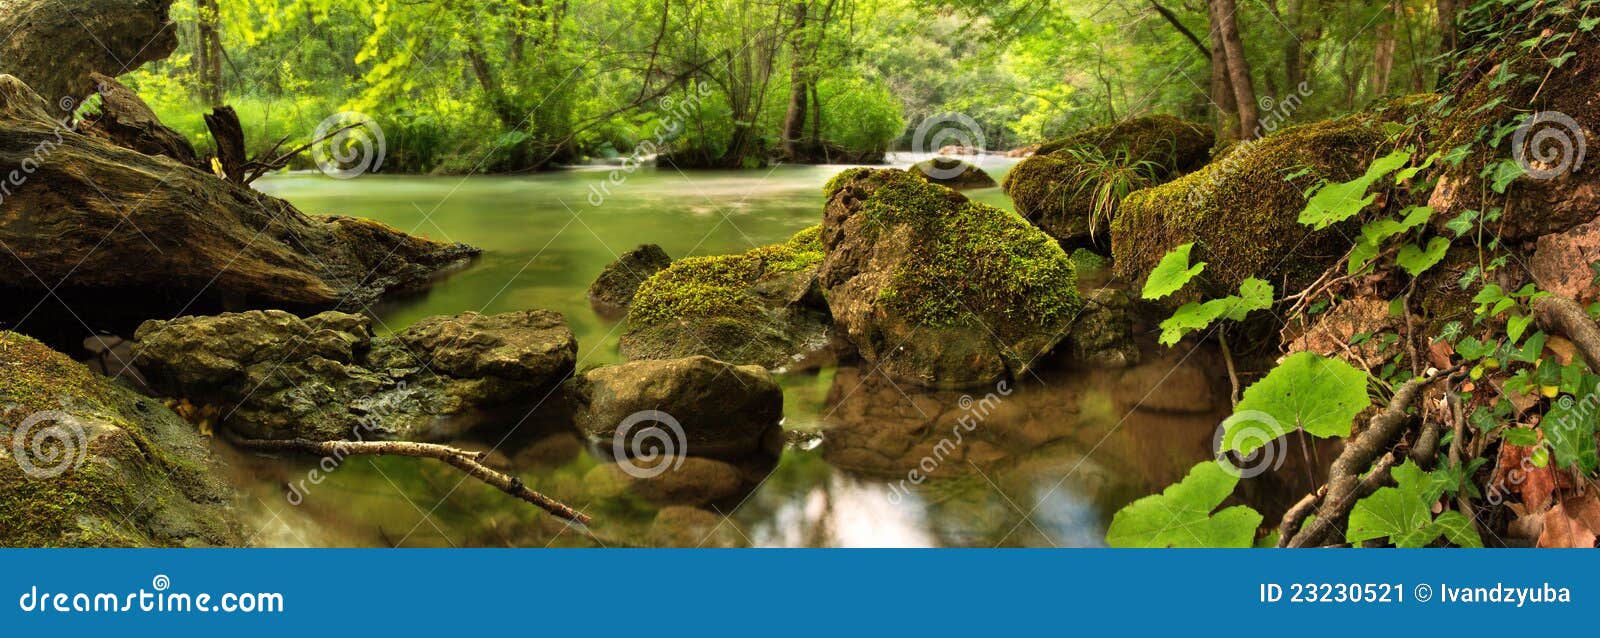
(53, 45)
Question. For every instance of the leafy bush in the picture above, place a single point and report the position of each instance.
(860, 115)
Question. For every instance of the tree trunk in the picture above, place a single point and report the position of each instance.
(1244, 92)
(1227, 116)
(1447, 26)
(1383, 51)
(794, 119)
(208, 53)
(49, 47)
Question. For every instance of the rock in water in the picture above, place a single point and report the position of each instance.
(327, 378)
(1055, 188)
(1102, 337)
(85, 462)
(1241, 214)
(938, 290)
(613, 290)
(716, 408)
(761, 307)
(150, 236)
(952, 173)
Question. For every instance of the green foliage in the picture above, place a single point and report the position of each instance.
(1415, 260)
(860, 114)
(1254, 294)
(1335, 202)
(1171, 273)
(1319, 395)
(1105, 179)
(1181, 515)
(1404, 514)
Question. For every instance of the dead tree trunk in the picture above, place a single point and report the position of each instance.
(53, 45)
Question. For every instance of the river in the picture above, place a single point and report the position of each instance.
(868, 463)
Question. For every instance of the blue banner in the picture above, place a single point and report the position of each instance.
(791, 592)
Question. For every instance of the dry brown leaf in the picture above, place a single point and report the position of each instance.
(1535, 485)
(1562, 348)
(1439, 354)
(1561, 530)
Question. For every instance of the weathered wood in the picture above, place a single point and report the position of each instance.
(125, 120)
(53, 45)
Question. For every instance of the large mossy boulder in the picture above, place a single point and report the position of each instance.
(699, 406)
(952, 173)
(113, 236)
(612, 292)
(85, 462)
(1243, 214)
(1055, 189)
(759, 307)
(938, 290)
(273, 375)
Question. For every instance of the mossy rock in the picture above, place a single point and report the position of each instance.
(1241, 213)
(98, 465)
(952, 173)
(759, 307)
(1054, 189)
(613, 290)
(275, 375)
(939, 290)
(716, 409)
(1488, 115)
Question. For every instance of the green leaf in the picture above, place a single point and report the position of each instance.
(1457, 529)
(1171, 273)
(1254, 294)
(1416, 260)
(1382, 229)
(1408, 173)
(1520, 437)
(1404, 513)
(1462, 224)
(1502, 173)
(1180, 516)
(1336, 202)
(1319, 395)
(1516, 325)
(1189, 317)
(1569, 428)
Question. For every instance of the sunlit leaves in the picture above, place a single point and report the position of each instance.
(1181, 515)
(1415, 260)
(1310, 392)
(1171, 273)
(1336, 202)
(1254, 294)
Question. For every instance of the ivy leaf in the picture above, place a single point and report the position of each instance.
(1417, 260)
(1462, 224)
(1569, 428)
(1171, 273)
(1516, 325)
(1520, 437)
(1382, 229)
(1336, 202)
(1408, 173)
(1502, 173)
(1180, 516)
(1319, 395)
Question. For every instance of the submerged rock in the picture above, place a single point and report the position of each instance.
(1102, 336)
(85, 462)
(1241, 214)
(939, 290)
(704, 407)
(952, 173)
(613, 290)
(151, 236)
(761, 307)
(1055, 188)
(327, 378)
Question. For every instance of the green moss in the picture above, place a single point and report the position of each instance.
(1164, 139)
(719, 286)
(1241, 212)
(970, 262)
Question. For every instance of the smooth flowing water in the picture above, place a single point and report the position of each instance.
(868, 462)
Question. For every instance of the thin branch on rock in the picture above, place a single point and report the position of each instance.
(466, 461)
(1345, 483)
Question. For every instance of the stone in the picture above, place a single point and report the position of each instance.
(702, 406)
(613, 290)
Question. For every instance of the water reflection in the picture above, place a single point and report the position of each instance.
(1046, 465)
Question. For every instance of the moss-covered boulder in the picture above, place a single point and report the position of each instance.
(759, 307)
(613, 290)
(273, 375)
(1241, 212)
(1055, 188)
(1520, 124)
(1102, 336)
(952, 173)
(87, 463)
(694, 406)
(939, 290)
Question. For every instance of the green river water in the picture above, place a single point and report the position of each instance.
(1047, 465)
